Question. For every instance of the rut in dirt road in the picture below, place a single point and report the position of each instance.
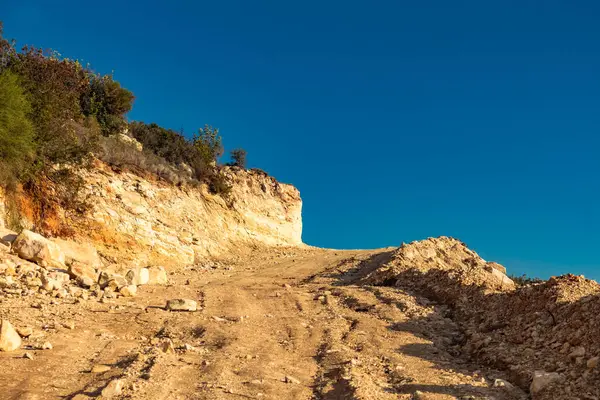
(276, 325)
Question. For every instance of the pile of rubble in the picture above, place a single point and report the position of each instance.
(544, 335)
(32, 265)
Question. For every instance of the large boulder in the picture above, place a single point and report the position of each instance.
(157, 276)
(34, 247)
(9, 338)
(79, 252)
(85, 275)
(138, 276)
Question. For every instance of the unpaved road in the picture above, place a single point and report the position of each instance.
(274, 324)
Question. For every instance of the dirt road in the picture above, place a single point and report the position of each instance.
(273, 324)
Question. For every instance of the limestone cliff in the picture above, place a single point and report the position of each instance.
(140, 221)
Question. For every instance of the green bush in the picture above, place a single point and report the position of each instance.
(106, 100)
(17, 147)
(56, 114)
(238, 158)
(524, 280)
(173, 147)
(209, 144)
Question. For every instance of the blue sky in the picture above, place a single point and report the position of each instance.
(396, 120)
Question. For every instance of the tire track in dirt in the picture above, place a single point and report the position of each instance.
(281, 328)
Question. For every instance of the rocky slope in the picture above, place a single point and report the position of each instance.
(544, 335)
(138, 221)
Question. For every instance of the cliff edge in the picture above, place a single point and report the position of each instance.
(135, 220)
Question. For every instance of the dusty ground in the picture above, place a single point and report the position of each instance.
(274, 324)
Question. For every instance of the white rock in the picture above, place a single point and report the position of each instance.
(99, 368)
(130, 141)
(47, 346)
(85, 275)
(181, 305)
(129, 291)
(9, 338)
(114, 388)
(502, 278)
(291, 379)
(78, 252)
(33, 247)
(138, 276)
(541, 379)
(157, 276)
(502, 383)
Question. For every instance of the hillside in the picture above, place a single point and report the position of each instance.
(264, 316)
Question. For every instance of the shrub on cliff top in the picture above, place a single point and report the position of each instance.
(17, 147)
(238, 158)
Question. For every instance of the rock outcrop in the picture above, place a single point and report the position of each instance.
(139, 222)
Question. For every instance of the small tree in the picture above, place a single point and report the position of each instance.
(108, 102)
(238, 158)
(209, 145)
(17, 146)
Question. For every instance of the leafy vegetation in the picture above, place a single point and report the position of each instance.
(524, 280)
(56, 115)
(16, 130)
(238, 158)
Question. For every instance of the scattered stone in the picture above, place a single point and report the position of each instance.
(188, 347)
(291, 379)
(157, 276)
(85, 275)
(114, 388)
(577, 352)
(138, 276)
(99, 368)
(503, 384)
(117, 282)
(28, 356)
(541, 379)
(129, 291)
(24, 331)
(166, 346)
(593, 362)
(69, 325)
(47, 346)
(9, 338)
(181, 305)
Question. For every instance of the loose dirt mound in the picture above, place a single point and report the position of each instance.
(551, 328)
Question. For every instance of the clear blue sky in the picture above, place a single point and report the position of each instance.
(397, 120)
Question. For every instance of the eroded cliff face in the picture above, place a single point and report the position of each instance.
(137, 221)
